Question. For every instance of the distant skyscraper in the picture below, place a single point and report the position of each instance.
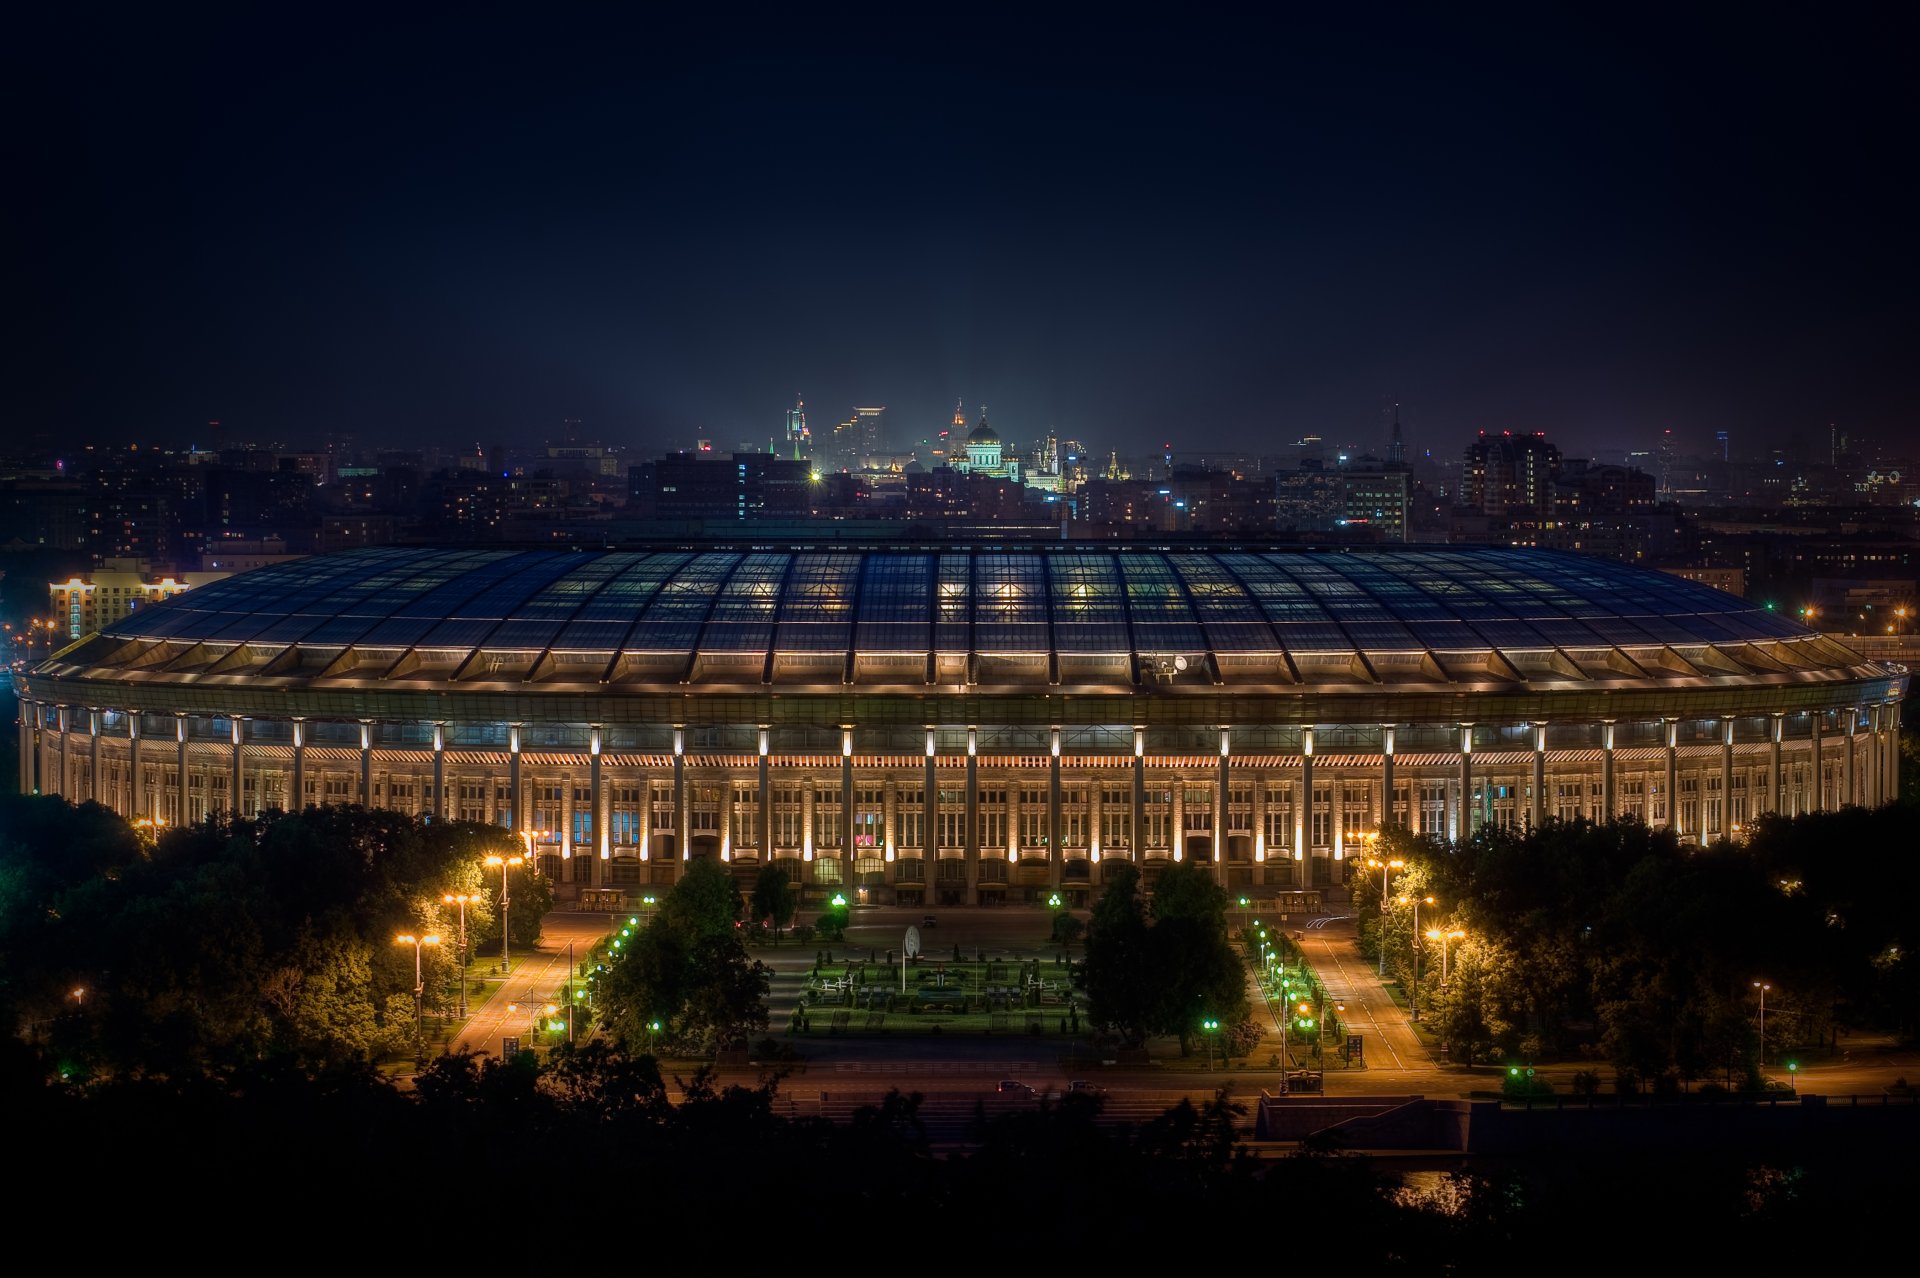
(1396, 447)
(1510, 473)
(1726, 451)
(799, 444)
(1666, 465)
(870, 432)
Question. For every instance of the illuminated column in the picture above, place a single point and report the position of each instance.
(1386, 777)
(133, 766)
(973, 816)
(1138, 851)
(680, 790)
(1303, 818)
(93, 746)
(1094, 789)
(1817, 801)
(1466, 782)
(27, 708)
(1893, 754)
(1775, 730)
(1220, 813)
(1260, 825)
(889, 815)
(1177, 817)
(1055, 854)
(1673, 776)
(1537, 812)
(846, 802)
(726, 816)
(597, 785)
(437, 810)
(1726, 779)
(366, 763)
(239, 727)
(516, 810)
(1848, 774)
(1607, 800)
(767, 797)
(180, 812)
(60, 713)
(930, 815)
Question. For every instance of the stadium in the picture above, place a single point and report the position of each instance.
(959, 725)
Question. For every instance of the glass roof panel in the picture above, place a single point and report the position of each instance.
(894, 603)
(1010, 606)
(953, 604)
(671, 622)
(816, 615)
(1088, 615)
(742, 617)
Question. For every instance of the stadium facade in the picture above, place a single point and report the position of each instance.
(963, 724)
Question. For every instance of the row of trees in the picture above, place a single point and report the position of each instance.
(331, 1152)
(1614, 940)
(239, 938)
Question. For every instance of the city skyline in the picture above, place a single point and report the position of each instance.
(430, 235)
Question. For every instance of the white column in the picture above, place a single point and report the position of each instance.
(297, 801)
(1776, 728)
(234, 781)
(366, 763)
(181, 812)
(133, 767)
(438, 808)
(1538, 814)
(516, 808)
(1386, 779)
(1608, 803)
(1847, 775)
(1055, 856)
(1466, 782)
(1673, 776)
(93, 760)
(1726, 778)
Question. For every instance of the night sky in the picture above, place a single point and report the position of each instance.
(1220, 231)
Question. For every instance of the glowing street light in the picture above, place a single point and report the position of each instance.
(1434, 934)
(1763, 987)
(461, 899)
(419, 986)
(504, 862)
(1386, 868)
(1416, 901)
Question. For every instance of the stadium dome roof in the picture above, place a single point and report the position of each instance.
(986, 614)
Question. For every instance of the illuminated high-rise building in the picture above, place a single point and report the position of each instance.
(799, 444)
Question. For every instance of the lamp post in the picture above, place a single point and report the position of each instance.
(1414, 944)
(1763, 987)
(1211, 1028)
(1434, 934)
(461, 899)
(1386, 868)
(504, 862)
(419, 986)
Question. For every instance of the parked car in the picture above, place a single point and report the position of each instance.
(929, 921)
(1086, 1087)
(1015, 1086)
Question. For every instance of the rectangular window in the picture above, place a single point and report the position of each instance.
(869, 817)
(993, 820)
(826, 869)
(909, 820)
(1240, 809)
(1033, 818)
(789, 812)
(1073, 818)
(1279, 819)
(1567, 796)
(1116, 817)
(1433, 808)
(952, 814)
(623, 827)
(746, 817)
(1403, 805)
(1157, 816)
(664, 820)
(1356, 812)
(703, 811)
(1320, 820)
(826, 821)
(953, 869)
(1197, 811)
(910, 869)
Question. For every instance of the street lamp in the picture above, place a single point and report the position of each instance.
(1763, 987)
(504, 862)
(1434, 934)
(1386, 868)
(461, 900)
(419, 986)
(1211, 1028)
(1415, 945)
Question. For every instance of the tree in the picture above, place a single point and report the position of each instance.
(1119, 994)
(774, 898)
(706, 900)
